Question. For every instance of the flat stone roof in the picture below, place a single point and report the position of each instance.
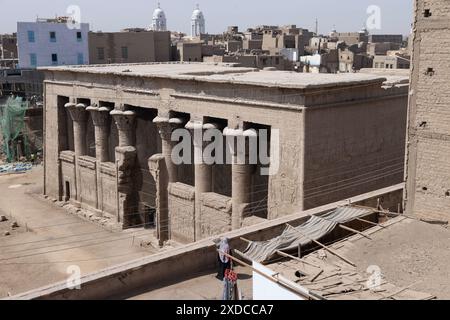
(228, 73)
(411, 255)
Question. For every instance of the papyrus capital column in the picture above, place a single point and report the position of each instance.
(202, 171)
(241, 172)
(102, 122)
(166, 127)
(125, 122)
(79, 117)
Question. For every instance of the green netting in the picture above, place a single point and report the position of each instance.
(12, 125)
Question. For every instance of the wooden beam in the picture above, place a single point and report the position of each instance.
(386, 212)
(371, 223)
(326, 248)
(354, 231)
(283, 254)
(301, 260)
(399, 291)
(316, 276)
(246, 240)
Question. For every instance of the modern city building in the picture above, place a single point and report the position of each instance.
(52, 42)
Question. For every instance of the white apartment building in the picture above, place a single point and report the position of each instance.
(52, 42)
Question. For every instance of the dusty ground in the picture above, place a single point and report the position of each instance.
(409, 252)
(55, 240)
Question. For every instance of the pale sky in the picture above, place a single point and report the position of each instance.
(113, 15)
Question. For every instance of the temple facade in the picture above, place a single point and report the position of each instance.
(110, 144)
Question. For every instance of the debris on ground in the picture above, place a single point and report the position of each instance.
(3, 219)
(14, 225)
(18, 167)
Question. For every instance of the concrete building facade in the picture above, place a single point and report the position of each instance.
(8, 46)
(129, 46)
(108, 146)
(188, 51)
(50, 42)
(381, 38)
(428, 148)
(391, 62)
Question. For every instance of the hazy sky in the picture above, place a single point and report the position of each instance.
(108, 15)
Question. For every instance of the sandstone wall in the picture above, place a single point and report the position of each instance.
(428, 175)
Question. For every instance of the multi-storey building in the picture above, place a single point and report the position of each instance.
(52, 42)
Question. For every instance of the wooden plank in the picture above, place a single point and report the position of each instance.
(354, 231)
(317, 275)
(371, 223)
(283, 254)
(385, 212)
(399, 291)
(326, 248)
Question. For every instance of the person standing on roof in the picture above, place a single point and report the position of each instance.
(224, 260)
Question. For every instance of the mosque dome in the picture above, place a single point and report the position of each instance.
(197, 14)
(197, 23)
(159, 13)
(159, 21)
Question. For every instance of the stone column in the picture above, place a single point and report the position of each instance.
(241, 172)
(203, 171)
(125, 121)
(79, 117)
(126, 162)
(102, 122)
(166, 127)
(158, 170)
(164, 171)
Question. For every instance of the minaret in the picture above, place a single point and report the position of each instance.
(159, 22)
(197, 23)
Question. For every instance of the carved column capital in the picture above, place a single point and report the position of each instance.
(100, 115)
(166, 126)
(77, 111)
(125, 122)
(102, 121)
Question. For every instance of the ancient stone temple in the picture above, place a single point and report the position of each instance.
(111, 135)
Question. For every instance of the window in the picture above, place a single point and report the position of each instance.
(33, 60)
(80, 58)
(31, 36)
(54, 58)
(377, 65)
(79, 36)
(124, 52)
(52, 36)
(101, 53)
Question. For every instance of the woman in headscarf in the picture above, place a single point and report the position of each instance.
(224, 261)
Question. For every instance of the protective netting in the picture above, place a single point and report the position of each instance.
(14, 140)
(315, 228)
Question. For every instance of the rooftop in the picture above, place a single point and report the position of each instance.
(230, 73)
(411, 255)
